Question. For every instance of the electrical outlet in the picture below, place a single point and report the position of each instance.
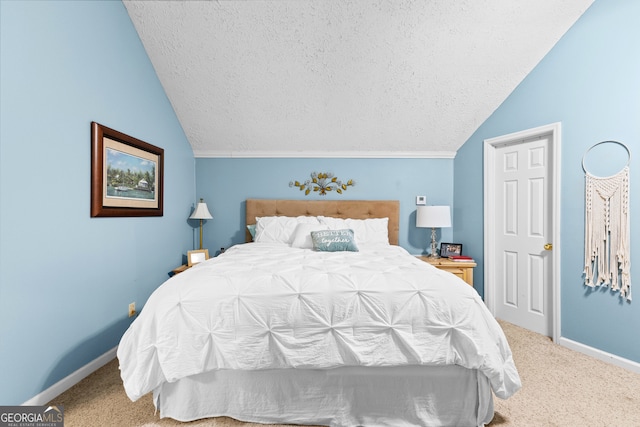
(132, 309)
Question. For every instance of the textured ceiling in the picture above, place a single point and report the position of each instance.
(343, 78)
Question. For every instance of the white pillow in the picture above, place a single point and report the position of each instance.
(301, 237)
(278, 229)
(367, 231)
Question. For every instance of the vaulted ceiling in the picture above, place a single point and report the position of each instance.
(363, 78)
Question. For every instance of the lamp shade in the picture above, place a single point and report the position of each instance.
(433, 216)
(201, 211)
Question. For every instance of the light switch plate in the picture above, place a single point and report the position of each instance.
(421, 200)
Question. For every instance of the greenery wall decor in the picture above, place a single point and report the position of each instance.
(322, 183)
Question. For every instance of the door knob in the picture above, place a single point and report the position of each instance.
(548, 247)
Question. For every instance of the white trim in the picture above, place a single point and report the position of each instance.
(627, 364)
(327, 154)
(490, 147)
(557, 203)
(72, 379)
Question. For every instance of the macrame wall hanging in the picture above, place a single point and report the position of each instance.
(606, 237)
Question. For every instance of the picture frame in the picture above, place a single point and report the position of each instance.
(196, 256)
(450, 249)
(127, 175)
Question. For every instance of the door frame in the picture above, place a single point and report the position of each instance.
(491, 146)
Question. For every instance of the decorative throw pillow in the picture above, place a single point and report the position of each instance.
(367, 231)
(334, 240)
(301, 237)
(252, 230)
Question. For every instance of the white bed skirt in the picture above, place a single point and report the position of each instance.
(344, 397)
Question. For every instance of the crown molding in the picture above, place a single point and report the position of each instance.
(327, 154)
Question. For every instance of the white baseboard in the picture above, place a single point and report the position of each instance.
(600, 355)
(69, 381)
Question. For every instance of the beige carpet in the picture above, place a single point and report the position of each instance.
(560, 388)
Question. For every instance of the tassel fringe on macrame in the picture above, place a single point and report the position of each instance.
(607, 246)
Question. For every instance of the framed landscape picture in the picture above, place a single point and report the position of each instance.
(127, 175)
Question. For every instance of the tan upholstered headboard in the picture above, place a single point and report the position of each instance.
(357, 209)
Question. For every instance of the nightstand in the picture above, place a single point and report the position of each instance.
(179, 269)
(193, 257)
(463, 270)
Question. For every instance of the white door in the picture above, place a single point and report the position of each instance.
(520, 224)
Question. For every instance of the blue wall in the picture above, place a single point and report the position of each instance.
(66, 279)
(226, 183)
(590, 82)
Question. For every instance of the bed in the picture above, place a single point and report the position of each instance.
(319, 319)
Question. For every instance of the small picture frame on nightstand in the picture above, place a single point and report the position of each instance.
(197, 256)
(450, 249)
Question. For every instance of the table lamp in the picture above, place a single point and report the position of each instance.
(201, 212)
(433, 217)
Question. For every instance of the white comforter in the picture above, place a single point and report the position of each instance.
(262, 305)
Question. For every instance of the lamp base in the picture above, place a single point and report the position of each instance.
(434, 252)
